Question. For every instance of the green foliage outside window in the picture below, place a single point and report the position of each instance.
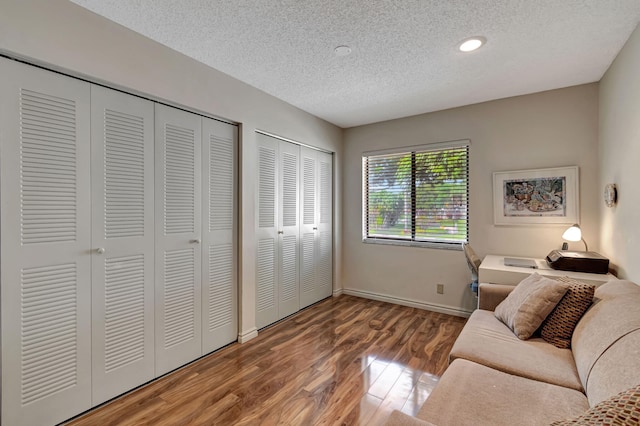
(420, 196)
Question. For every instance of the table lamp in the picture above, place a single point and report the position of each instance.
(578, 261)
(574, 233)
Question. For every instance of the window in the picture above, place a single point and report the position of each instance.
(417, 195)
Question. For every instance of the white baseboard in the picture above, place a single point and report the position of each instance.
(443, 309)
(247, 335)
(337, 292)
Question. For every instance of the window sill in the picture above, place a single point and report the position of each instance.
(420, 244)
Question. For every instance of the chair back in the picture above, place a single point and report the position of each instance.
(472, 260)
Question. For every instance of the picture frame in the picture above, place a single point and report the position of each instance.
(536, 196)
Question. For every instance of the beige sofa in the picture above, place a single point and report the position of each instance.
(496, 379)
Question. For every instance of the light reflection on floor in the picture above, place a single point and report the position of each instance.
(392, 386)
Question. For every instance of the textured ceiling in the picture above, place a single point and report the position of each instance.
(404, 58)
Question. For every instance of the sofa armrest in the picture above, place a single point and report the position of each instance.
(490, 295)
(398, 418)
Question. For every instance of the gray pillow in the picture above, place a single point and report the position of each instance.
(527, 306)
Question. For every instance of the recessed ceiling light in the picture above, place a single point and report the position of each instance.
(342, 50)
(471, 44)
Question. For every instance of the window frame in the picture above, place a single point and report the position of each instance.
(413, 241)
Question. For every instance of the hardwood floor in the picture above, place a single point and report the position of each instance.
(345, 360)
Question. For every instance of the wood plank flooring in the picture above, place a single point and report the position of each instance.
(345, 360)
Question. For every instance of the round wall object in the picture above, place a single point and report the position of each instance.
(610, 194)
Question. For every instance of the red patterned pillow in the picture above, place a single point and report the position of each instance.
(620, 410)
(557, 328)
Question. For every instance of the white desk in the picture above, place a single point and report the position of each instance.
(493, 270)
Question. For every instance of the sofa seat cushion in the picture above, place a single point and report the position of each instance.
(472, 394)
(486, 340)
(398, 418)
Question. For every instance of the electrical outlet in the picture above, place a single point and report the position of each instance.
(440, 288)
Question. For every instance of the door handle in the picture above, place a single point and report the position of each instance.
(195, 241)
(100, 250)
(281, 232)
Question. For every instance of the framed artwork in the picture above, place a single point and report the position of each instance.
(539, 196)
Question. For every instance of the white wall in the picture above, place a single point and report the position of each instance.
(63, 36)
(620, 159)
(548, 129)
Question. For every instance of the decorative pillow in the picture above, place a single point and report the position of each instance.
(557, 329)
(622, 409)
(529, 303)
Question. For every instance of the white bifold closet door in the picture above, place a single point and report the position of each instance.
(178, 311)
(122, 169)
(324, 245)
(45, 245)
(277, 230)
(289, 230)
(219, 235)
(316, 235)
(324, 240)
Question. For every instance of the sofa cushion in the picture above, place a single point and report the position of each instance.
(398, 418)
(613, 314)
(488, 341)
(529, 303)
(621, 409)
(473, 394)
(558, 327)
(617, 369)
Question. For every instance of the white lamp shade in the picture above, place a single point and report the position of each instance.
(573, 233)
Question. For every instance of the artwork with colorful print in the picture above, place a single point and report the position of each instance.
(535, 197)
(540, 196)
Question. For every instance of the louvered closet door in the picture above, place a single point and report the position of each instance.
(288, 229)
(178, 337)
(316, 253)
(219, 276)
(45, 246)
(324, 233)
(266, 231)
(309, 227)
(123, 253)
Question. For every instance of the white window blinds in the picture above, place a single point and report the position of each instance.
(419, 194)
